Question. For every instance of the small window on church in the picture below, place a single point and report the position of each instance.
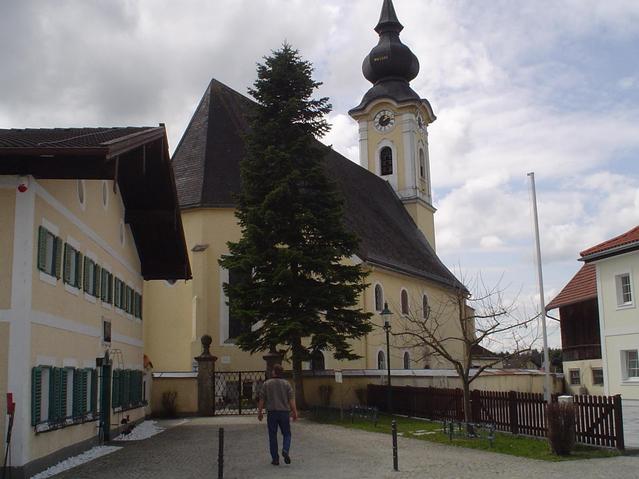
(404, 298)
(386, 161)
(379, 298)
(422, 164)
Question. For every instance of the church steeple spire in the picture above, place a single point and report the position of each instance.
(388, 19)
(390, 65)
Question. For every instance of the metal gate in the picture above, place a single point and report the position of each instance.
(236, 392)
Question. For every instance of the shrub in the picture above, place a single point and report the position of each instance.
(169, 403)
(561, 427)
(325, 391)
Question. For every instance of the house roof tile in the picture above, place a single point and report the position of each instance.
(581, 287)
(629, 239)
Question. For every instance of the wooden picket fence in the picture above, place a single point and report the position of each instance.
(598, 418)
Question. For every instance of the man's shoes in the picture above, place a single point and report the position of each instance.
(276, 462)
(287, 458)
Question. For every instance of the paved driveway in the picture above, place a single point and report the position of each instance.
(320, 451)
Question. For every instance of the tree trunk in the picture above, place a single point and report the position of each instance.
(468, 412)
(298, 379)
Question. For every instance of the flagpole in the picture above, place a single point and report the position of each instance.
(542, 305)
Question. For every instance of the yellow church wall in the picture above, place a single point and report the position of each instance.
(438, 298)
(424, 218)
(4, 365)
(7, 200)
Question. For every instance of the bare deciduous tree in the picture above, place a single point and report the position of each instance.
(452, 326)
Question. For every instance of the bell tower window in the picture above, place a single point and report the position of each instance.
(386, 161)
(422, 164)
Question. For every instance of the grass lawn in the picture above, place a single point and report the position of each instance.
(503, 443)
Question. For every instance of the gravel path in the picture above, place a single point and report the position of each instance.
(321, 451)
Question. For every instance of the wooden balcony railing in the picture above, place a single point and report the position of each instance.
(581, 352)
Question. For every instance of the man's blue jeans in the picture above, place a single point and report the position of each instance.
(273, 420)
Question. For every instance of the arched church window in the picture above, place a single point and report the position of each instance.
(425, 307)
(379, 297)
(381, 360)
(404, 301)
(406, 360)
(386, 161)
(317, 361)
(422, 164)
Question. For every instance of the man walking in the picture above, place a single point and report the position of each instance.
(277, 396)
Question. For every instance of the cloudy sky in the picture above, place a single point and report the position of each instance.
(517, 86)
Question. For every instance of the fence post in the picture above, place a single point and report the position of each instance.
(239, 393)
(394, 433)
(619, 422)
(513, 416)
(220, 455)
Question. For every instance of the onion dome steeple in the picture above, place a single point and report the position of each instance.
(390, 65)
(390, 58)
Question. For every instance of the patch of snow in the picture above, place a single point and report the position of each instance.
(423, 433)
(74, 461)
(142, 431)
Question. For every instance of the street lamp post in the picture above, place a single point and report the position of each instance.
(386, 314)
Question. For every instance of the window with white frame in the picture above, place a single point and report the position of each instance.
(597, 376)
(72, 266)
(624, 289)
(379, 297)
(386, 161)
(381, 360)
(575, 377)
(404, 301)
(630, 364)
(49, 252)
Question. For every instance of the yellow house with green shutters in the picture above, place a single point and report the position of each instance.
(86, 216)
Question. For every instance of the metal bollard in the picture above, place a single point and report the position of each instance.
(394, 433)
(220, 455)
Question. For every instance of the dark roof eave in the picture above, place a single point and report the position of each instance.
(552, 306)
(405, 269)
(626, 248)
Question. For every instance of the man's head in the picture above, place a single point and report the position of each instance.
(278, 370)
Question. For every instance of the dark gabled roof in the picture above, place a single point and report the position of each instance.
(477, 351)
(582, 287)
(207, 171)
(628, 241)
(137, 157)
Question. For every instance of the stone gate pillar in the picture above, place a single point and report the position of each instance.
(206, 379)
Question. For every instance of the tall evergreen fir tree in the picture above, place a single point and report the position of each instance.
(292, 286)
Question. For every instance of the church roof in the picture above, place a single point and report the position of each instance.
(207, 172)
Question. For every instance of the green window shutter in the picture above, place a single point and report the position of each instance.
(85, 391)
(68, 251)
(110, 280)
(42, 248)
(97, 276)
(85, 285)
(104, 288)
(79, 258)
(36, 395)
(77, 393)
(117, 293)
(94, 391)
(64, 386)
(57, 245)
(115, 389)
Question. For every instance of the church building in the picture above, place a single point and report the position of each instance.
(387, 201)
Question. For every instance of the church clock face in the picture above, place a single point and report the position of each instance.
(384, 120)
